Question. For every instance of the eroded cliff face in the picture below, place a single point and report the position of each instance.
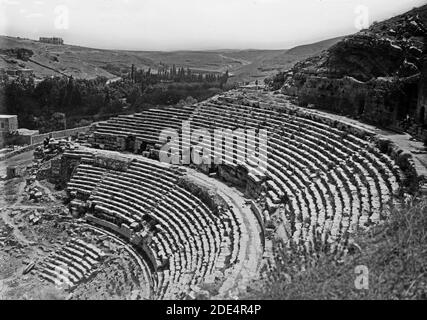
(374, 75)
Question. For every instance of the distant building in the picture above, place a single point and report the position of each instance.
(15, 171)
(11, 134)
(8, 125)
(22, 137)
(27, 132)
(53, 40)
(24, 72)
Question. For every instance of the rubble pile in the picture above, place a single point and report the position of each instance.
(35, 217)
(32, 190)
(51, 148)
(41, 167)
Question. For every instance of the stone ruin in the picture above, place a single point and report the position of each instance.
(326, 179)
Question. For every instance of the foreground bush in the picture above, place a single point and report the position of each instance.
(394, 254)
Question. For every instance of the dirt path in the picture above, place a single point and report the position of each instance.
(20, 198)
(23, 159)
(241, 61)
(19, 236)
(49, 68)
(9, 221)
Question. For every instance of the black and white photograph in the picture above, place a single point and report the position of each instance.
(235, 151)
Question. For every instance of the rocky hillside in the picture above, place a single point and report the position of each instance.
(373, 75)
(54, 60)
(87, 63)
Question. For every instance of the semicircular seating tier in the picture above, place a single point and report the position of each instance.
(189, 244)
(329, 180)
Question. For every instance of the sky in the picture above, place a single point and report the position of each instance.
(193, 24)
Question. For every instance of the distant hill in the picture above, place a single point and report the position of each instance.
(79, 62)
(268, 63)
(88, 63)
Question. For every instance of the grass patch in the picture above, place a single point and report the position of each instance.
(395, 254)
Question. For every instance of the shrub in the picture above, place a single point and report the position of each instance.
(394, 252)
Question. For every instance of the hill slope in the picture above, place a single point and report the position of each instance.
(373, 75)
(87, 63)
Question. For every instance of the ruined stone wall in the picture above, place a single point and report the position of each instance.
(208, 196)
(17, 152)
(110, 162)
(235, 175)
(410, 178)
(59, 134)
(66, 169)
(140, 241)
